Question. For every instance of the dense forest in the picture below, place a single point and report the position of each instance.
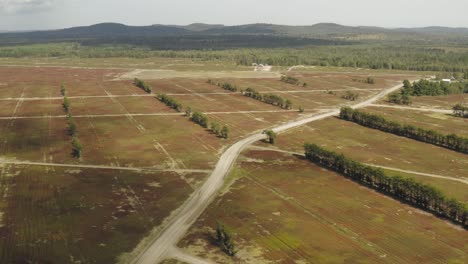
(405, 189)
(451, 141)
(418, 58)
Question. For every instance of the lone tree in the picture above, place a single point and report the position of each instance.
(224, 240)
(271, 136)
(76, 148)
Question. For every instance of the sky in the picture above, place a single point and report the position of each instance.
(56, 14)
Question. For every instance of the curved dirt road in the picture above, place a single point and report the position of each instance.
(188, 213)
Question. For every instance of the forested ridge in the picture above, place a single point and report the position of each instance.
(408, 190)
(450, 141)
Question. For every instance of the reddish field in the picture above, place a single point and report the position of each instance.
(55, 215)
(288, 210)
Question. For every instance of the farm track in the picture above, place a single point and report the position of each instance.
(422, 109)
(185, 257)
(461, 179)
(86, 166)
(174, 94)
(150, 114)
(176, 227)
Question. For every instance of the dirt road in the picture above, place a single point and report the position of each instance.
(104, 167)
(435, 110)
(188, 213)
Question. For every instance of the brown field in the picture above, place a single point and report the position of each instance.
(288, 210)
(443, 123)
(98, 214)
(54, 215)
(443, 102)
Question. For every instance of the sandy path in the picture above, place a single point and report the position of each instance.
(178, 254)
(150, 114)
(87, 166)
(177, 94)
(194, 206)
(435, 110)
(460, 179)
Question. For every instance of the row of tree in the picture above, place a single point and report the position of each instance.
(225, 85)
(77, 148)
(352, 96)
(171, 102)
(272, 99)
(451, 141)
(405, 189)
(368, 80)
(433, 88)
(292, 80)
(141, 84)
(460, 110)
(201, 119)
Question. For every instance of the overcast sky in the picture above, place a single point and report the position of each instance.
(52, 14)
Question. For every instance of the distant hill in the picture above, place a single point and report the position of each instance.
(327, 33)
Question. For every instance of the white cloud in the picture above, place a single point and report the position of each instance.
(24, 6)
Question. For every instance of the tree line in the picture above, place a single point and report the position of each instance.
(399, 98)
(408, 190)
(460, 110)
(268, 98)
(226, 86)
(141, 84)
(77, 148)
(202, 120)
(450, 141)
(171, 102)
(368, 80)
(195, 116)
(292, 80)
(352, 96)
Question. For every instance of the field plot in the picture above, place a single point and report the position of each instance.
(288, 210)
(443, 123)
(375, 147)
(40, 108)
(43, 140)
(7, 108)
(54, 215)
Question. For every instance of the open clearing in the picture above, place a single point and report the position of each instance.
(97, 214)
(287, 210)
